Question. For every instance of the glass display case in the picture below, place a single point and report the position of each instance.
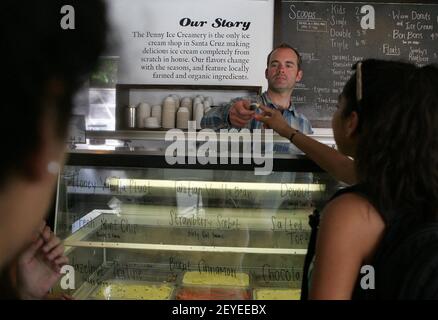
(135, 227)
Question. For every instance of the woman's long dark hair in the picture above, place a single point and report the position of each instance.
(397, 150)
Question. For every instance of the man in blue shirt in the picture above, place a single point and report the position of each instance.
(282, 72)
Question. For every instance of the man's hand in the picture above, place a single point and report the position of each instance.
(273, 119)
(39, 266)
(240, 113)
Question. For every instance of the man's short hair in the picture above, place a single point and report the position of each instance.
(288, 46)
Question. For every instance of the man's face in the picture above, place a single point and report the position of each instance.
(282, 72)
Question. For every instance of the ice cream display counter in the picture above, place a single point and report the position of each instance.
(136, 227)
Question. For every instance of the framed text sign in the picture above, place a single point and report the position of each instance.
(193, 42)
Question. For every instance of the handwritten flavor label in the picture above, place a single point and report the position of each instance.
(197, 220)
(298, 238)
(200, 235)
(176, 264)
(278, 274)
(285, 224)
(87, 181)
(204, 267)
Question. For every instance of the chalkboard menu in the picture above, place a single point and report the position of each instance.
(332, 36)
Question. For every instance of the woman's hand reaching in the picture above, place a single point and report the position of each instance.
(39, 266)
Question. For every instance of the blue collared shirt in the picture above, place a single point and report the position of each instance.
(217, 118)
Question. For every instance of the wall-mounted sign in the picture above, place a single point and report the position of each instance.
(331, 36)
(193, 42)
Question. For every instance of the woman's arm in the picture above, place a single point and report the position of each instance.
(349, 233)
(336, 164)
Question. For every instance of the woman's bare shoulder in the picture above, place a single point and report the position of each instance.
(352, 218)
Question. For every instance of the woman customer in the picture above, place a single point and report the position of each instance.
(43, 66)
(387, 121)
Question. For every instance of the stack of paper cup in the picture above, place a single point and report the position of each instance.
(156, 113)
(168, 114)
(198, 114)
(143, 112)
(186, 102)
(207, 106)
(151, 122)
(182, 118)
(196, 101)
(209, 99)
(177, 101)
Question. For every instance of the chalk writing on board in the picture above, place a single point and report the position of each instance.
(332, 36)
